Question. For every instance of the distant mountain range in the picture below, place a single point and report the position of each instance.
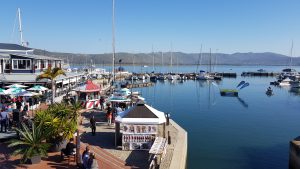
(266, 58)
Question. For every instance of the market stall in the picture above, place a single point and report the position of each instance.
(89, 95)
(138, 126)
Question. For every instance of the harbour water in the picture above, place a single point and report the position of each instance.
(249, 132)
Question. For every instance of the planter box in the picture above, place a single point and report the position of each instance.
(57, 146)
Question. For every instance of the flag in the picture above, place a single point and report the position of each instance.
(245, 85)
(240, 84)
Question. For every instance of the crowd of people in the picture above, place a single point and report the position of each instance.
(13, 111)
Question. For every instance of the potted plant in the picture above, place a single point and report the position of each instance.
(31, 145)
(60, 120)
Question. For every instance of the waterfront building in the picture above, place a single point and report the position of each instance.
(19, 64)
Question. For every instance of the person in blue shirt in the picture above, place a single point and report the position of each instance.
(4, 119)
(85, 157)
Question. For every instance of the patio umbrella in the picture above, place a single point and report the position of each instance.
(38, 88)
(26, 93)
(16, 86)
(3, 91)
(14, 91)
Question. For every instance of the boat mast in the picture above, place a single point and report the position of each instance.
(209, 60)
(133, 63)
(199, 58)
(291, 54)
(113, 40)
(152, 59)
(171, 57)
(162, 59)
(20, 28)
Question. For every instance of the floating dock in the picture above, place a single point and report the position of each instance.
(229, 92)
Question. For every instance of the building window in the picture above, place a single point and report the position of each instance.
(7, 64)
(23, 64)
(42, 64)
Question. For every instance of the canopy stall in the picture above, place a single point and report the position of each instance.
(89, 94)
(138, 126)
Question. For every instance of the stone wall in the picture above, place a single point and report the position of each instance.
(294, 161)
(179, 158)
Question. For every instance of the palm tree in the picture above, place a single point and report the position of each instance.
(51, 74)
(32, 142)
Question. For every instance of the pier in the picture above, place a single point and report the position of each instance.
(260, 74)
(138, 85)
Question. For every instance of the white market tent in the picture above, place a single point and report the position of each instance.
(141, 114)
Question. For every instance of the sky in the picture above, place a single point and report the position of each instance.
(224, 26)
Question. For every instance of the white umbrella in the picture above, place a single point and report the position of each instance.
(38, 88)
(3, 92)
(14, 91)
(27, 93)
(16, 86)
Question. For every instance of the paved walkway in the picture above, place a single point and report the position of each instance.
(104, 142)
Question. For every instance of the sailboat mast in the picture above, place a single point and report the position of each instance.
(113, 40)
(152, 59)
(291, 54)
(171, 57)
(133, 63)
(209, 60)
(162, 59)
(20, 28)
(199, 58)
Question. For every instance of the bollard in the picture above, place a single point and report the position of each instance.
(168, 118)
(169, 138)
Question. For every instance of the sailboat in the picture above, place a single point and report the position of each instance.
(161, 76)
(289, 76)
(205, 75)
(171, 76)
(153, 77)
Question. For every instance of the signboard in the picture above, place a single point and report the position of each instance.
(137, 142)
(139, 129)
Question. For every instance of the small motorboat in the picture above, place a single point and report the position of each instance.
(269, 92)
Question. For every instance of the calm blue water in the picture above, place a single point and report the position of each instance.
(252, 132)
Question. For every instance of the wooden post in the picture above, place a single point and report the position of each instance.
(77, 147)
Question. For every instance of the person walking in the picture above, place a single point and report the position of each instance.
(92, 162)
(85, 157)
(93, 125)
(109, 114)
(102, 102)
(4, 118)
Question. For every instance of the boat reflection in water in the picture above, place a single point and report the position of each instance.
(295, 91)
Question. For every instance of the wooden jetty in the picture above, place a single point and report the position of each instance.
(138, 85)
(259, 74)
(224, 74)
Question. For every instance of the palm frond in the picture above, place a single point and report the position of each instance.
(57, 71)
